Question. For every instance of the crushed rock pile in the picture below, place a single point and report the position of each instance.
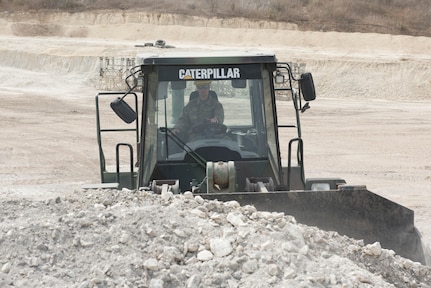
(110, 238)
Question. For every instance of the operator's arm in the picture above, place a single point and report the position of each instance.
(183, 120)
(219, 112)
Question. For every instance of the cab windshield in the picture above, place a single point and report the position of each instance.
(220, 118)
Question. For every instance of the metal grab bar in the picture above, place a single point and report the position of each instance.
(117, 159)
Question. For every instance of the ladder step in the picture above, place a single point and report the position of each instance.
(100, 186)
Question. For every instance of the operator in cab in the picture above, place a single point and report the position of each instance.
(201, 112)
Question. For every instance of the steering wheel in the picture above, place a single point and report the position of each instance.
(209, 128)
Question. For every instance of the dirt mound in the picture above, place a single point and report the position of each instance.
(138, 239)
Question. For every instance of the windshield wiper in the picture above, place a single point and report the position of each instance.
(198, 158)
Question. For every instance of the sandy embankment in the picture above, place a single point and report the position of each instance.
(370, 124)
(345, 65)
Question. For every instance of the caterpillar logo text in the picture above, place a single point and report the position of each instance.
(210, 73)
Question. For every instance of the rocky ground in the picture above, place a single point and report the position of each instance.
(138, 239)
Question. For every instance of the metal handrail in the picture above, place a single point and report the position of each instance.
(117, 158)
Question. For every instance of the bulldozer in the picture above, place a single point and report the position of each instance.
(239, 156)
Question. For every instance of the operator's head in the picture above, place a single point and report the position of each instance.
(203, 87)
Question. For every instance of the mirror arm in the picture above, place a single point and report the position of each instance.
(305, 107)
(135, 80)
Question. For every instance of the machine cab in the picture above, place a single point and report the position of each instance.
(234, 121)
(209, 119)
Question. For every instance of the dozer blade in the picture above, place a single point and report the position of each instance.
(352, 211)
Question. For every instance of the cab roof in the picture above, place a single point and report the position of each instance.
(205, 57)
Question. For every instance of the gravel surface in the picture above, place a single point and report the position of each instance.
(109, 238)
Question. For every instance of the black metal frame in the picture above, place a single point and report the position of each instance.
(297, 103)
(103, 172)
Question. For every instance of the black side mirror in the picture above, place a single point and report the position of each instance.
(307, 87)
(123, 110)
